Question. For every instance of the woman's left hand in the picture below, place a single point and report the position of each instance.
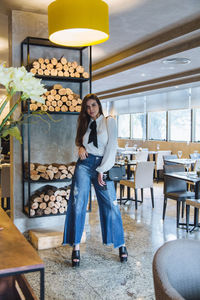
(100, 179)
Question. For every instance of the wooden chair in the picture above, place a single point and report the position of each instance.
(197, 165)
(143, 179)
(139, 156)
(196, 204)
(195, 155)
(160, 162)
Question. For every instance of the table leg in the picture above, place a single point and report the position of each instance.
(196, 210)
(128, 177)
(196, 189)
(187, 217)
(196, 217)
(42, 284)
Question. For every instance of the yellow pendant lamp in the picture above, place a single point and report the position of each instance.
(78, 23)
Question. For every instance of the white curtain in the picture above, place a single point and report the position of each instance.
(178, 99)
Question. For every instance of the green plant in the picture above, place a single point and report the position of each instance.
(17, 80)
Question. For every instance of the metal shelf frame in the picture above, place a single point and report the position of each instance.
(26, 45)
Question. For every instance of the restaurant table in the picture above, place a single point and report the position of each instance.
(182, 161)
(17, 256)
(128, 152)
(128, 164)
(152, 153)
(192, 178)
(132, 152)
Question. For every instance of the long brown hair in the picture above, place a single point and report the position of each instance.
(84, 118)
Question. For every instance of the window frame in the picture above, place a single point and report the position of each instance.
(149, 126)
(145, 116)
(169, 126)
(120, 137)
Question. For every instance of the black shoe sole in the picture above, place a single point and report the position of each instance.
(75, 264)
(123, 259)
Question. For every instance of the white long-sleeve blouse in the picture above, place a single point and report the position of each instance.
(107, 142)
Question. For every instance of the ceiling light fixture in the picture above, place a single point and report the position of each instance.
(78, 23)
(177, 61)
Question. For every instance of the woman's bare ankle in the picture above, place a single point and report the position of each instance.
(76, 247)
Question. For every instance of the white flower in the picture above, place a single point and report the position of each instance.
(19, 80)
(6, 76)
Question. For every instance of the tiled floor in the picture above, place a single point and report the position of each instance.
(101, 275)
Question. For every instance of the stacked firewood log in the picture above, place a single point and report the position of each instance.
(55, 67)
(50, 171)
(58, 99)
(49, 200)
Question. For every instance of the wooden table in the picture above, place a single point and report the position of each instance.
(191, 178)
(17, 256)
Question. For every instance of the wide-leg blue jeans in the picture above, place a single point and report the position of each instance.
(110, 216)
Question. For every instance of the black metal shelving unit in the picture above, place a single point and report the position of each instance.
(26, 46)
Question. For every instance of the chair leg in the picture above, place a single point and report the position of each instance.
(8, 202)
(142, 195)
(123, 189)
(157, 175)
(120, 188)
(136, 199)
(2, 203)
(164, 207)
(187, 217)
(178, 207)
(183, 208)
(152, 197)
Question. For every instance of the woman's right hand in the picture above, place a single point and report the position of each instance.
(82, 153)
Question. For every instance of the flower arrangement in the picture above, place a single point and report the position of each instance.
(17, 80)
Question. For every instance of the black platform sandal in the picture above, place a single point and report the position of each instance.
(76, 255)
(123, 251)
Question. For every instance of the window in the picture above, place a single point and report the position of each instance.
(138, 122)
(180, 125)
(157, 125)
(197, 125)
(124, 126)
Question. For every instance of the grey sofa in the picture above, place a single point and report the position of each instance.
(176, 270)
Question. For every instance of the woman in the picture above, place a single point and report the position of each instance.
(97, 141)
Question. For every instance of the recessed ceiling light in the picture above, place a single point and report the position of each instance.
(177, 61)
(176, 86)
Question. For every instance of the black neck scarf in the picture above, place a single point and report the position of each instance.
(93, 134)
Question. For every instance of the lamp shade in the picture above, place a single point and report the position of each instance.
(78, 23)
